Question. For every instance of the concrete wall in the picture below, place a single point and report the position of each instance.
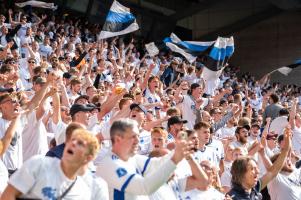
(270, 44)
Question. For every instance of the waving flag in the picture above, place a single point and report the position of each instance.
(285, 70)
(119, 21)
(215, 62)
(189, 49)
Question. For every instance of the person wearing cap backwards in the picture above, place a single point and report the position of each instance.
(131, 176)
(175, 125)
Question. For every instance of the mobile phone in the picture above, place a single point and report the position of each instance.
(183, 135)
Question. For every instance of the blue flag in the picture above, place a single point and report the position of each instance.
(119, 21)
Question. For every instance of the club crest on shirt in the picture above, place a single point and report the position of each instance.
(49, 193)
(121, 172)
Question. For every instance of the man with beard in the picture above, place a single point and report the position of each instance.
(287, 184)
(242, 133)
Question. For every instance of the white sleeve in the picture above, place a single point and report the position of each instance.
(100, 189)
(134, 183)
(25, 177)
(226, 179)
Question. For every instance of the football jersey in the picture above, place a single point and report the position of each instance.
(136, 178)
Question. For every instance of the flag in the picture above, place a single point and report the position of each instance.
(285, 70)
(215, 62)
(152, 49)
(189, 49)
(119, 21)
(38, 4)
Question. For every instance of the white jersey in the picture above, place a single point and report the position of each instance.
(13, 158)
(226, 175)
(209, 154)
(218, 147)
(188, 109)
(3, 176)
(296, 141)
(145, 142)
(34, 137)
(171, 190)
(151, 97)
(136, 178)
(99, 188)
(43, 178)
(210, 194)
(285, 186)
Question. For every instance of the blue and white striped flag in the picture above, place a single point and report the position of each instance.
(214, 56)
(215, 62)
(285, 70)
(189, 49)
(119, 21)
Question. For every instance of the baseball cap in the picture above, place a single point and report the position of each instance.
(39, 80)
(175, 120)
(81, 97)
(241, 127)
(9, 90)
(194, 85)
(135, 105)
(75, 108)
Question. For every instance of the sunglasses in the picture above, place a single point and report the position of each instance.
(11, 62)
(31, 62)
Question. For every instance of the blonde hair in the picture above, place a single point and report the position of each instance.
(87, 136)
(161, 131)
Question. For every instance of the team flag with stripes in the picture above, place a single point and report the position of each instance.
(189, 49)
(285, 70)
(214, 55)
(119, 21)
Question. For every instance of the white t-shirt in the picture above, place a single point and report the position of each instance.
(13, 158)
(171, 190)
(218, 147)
(188, 110)
(226, 175)
(3, 177)
(296, 141)
(43, 177)
(45, 50)
(22, 31)
(34, 137)
(151, 97)
(145, 142)
(208, 154)
(227, 132)
(210, 194)
(98, 187)
(136, 177)
(285, 186)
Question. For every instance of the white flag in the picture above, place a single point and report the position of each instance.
(152, 49)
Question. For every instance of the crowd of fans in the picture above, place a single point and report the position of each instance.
(83, 118)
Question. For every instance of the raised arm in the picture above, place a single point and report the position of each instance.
(9, 133)
(147, 76)
(278, 164)
(199, 178)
